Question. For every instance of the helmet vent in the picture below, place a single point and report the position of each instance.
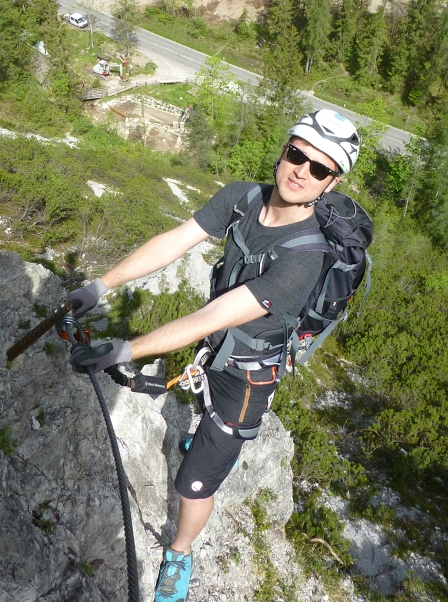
(327, 131)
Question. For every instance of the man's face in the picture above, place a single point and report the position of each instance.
(295, 183)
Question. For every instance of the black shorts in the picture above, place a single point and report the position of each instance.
(213, 452)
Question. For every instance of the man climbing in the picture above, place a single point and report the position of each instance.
(246, 303)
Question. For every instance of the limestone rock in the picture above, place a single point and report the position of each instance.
(61, 533)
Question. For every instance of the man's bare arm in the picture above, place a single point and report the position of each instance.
(156, 253)
(234, 308)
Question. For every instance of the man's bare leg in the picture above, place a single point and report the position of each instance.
(191, 519)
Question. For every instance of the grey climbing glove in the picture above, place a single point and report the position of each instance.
(87, 297)
(101, 357)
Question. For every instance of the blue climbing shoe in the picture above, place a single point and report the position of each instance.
(174, 577)
(185, 445)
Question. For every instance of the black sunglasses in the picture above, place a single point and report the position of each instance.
(318, 170)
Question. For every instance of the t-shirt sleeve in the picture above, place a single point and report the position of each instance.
(287, 283)
(216, 215)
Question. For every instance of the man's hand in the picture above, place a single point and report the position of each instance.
(87, 297)
(99, 358)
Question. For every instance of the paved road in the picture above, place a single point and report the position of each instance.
(170, 57)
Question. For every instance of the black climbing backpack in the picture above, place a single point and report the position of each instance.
(344, 235)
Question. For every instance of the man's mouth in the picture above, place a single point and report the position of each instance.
(295, 185)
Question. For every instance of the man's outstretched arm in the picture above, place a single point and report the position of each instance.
(156, 253)
(231, 309)
(234, 308)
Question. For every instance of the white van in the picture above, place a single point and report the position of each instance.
(76, 19)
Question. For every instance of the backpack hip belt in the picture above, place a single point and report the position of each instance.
(242, 363)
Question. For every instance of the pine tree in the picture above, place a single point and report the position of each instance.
(314, 39)
(432, 191)
(15, 48)
(345, 28)
(282, 60)
(420, 32)
(370, 45)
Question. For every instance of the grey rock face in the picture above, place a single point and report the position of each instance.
(61, 533)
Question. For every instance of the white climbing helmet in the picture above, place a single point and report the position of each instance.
(330, 133)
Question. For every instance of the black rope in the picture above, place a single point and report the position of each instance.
(131, 556)
(118, 376)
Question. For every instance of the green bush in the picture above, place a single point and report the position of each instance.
(316, 522)
(197, 28)
(7, 443)
(142, 312)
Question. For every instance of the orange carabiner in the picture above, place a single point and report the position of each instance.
(264, 382)
(63, 334)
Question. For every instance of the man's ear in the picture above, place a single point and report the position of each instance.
(332, 184)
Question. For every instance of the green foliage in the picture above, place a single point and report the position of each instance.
(41, 311)
(345, 28)
(314, 36)
(400, 340)
(88, 569)
(48, 348)
(7, 443)
(201, 134)
(41, 413)
(281, 55)
(370, 133)
(142, 312)
(211, 83)
(50, 265)
(318, 522)
(246, 158)
(244, 28)
(315, 458)
(45, 524)
(197, 28)
(15, 52)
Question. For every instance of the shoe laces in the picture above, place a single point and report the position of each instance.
(167, 585)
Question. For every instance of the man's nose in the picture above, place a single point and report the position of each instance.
(302, 171)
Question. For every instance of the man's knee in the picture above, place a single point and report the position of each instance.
(196, 503)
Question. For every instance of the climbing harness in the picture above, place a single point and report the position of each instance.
(195, 378)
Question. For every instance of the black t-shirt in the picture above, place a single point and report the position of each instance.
(287, 282)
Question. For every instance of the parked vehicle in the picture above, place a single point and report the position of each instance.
(76, 19)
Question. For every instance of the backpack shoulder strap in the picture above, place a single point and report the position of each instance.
(254, 193)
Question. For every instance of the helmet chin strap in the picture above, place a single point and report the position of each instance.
(311, 203)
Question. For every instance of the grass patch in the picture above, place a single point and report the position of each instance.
(207, 37)
(44, 524)
(88, 570)
(175, 94)
(272, 586)
(7, 443)
(346, 92)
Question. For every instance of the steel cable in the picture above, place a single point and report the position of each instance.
(131, 557)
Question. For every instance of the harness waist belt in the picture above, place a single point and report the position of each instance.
(244, 363)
